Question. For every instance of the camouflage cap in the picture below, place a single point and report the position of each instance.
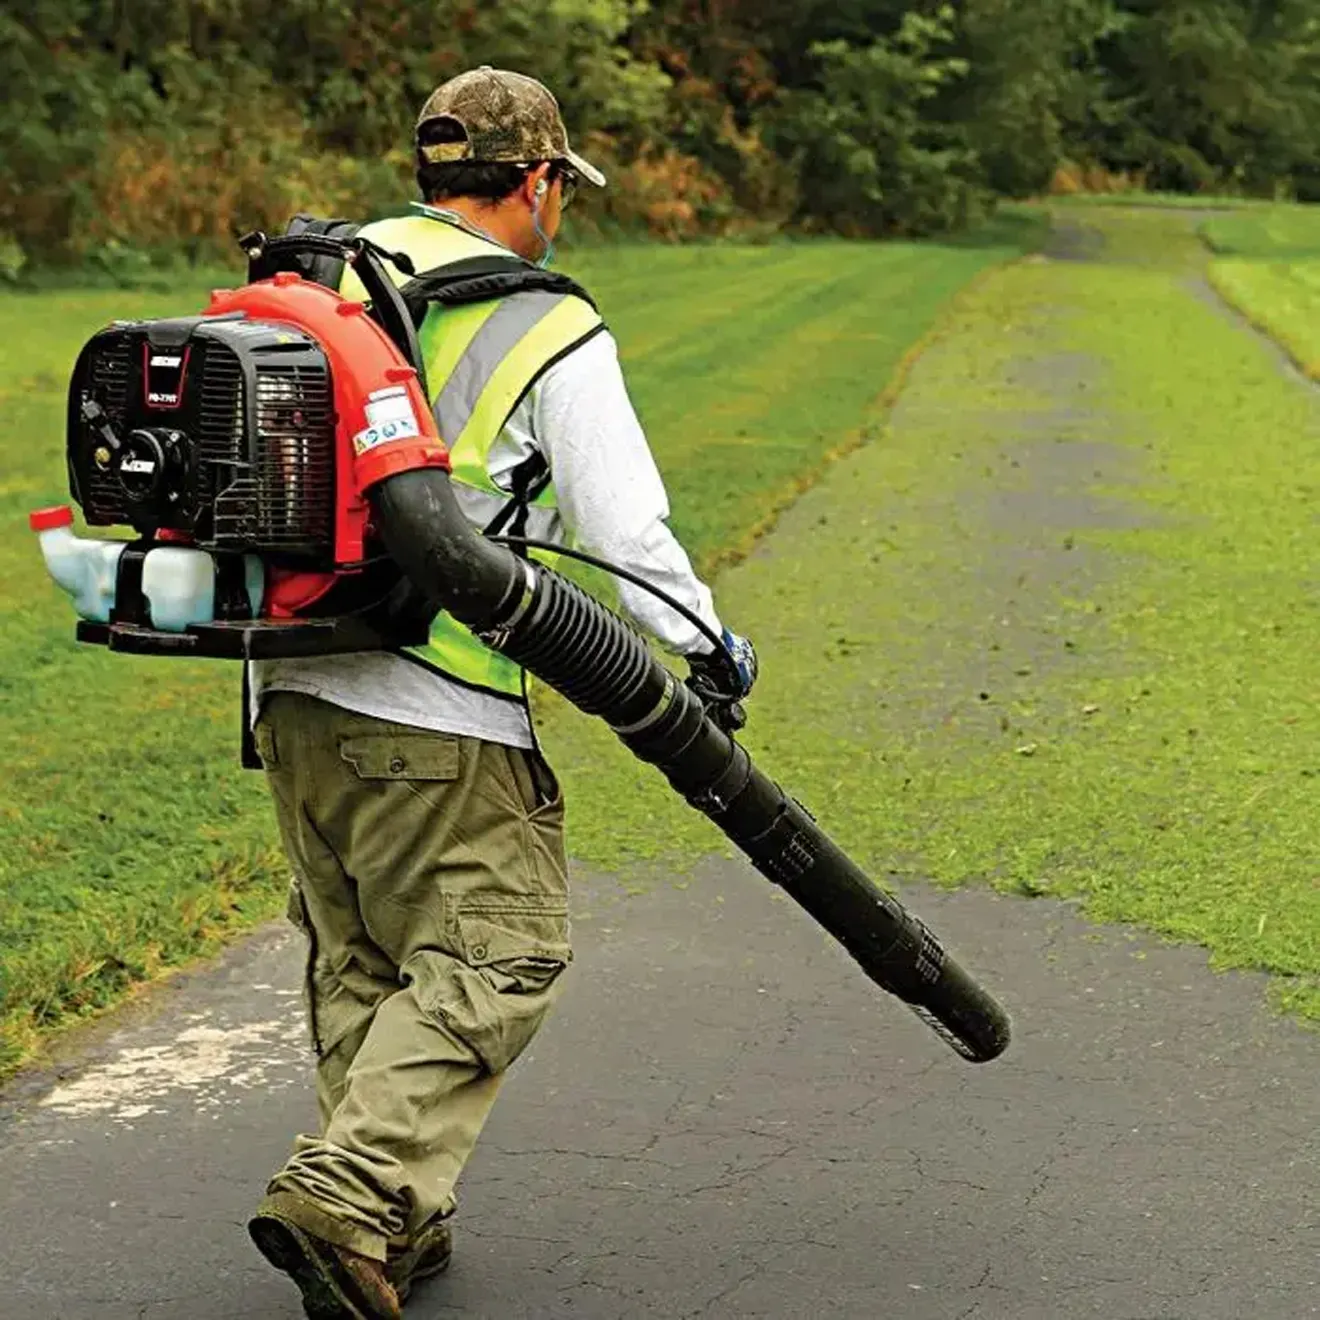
(495, 115)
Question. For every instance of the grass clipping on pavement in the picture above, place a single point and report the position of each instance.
(1055, 630)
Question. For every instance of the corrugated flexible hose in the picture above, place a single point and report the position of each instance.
(570, 641)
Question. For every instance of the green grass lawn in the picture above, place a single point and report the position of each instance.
(1269, 232)
(1268, 266)
(129, 839)
(1158, 201)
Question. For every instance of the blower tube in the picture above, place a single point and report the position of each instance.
(569, 640)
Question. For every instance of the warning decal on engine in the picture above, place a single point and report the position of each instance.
(391, 405)
(390, 416)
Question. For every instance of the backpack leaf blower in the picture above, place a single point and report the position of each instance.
(279, 462)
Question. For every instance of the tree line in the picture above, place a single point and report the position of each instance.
(133, 126)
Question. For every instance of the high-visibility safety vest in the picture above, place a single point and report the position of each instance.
(481, 360)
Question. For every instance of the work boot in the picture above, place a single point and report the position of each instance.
(425, 1256)
(336, 1284)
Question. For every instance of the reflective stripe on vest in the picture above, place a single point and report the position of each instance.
(481, 360)
(501, 350)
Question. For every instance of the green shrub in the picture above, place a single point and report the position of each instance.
(12, 259)
(868, 160)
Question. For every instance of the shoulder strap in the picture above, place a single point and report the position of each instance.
(530, 478)
(480, 279)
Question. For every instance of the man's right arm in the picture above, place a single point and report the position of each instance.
(610, 493)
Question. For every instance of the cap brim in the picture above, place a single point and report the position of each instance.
(585, 168)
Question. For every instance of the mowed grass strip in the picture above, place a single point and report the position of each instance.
(1268, 267)
(130, 841)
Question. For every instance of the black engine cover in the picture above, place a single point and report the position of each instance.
(221, 428)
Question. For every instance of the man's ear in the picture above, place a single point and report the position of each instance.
(536, 185)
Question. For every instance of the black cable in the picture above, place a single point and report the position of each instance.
(613, 569)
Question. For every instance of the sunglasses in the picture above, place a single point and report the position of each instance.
(570, 179)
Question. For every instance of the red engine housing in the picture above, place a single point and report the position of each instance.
(383, 419)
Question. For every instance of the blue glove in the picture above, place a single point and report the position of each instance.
(744, 657)
(722, 688)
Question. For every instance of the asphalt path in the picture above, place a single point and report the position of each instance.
(724, 1118)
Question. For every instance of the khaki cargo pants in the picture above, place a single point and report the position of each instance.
(432, 886)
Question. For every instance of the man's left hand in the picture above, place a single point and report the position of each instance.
(723, 686)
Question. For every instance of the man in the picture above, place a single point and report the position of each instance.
(424, 828)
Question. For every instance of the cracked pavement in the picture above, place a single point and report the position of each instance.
(695, 1135)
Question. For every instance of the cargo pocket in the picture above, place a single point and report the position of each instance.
(497, 995)
(402, 756)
